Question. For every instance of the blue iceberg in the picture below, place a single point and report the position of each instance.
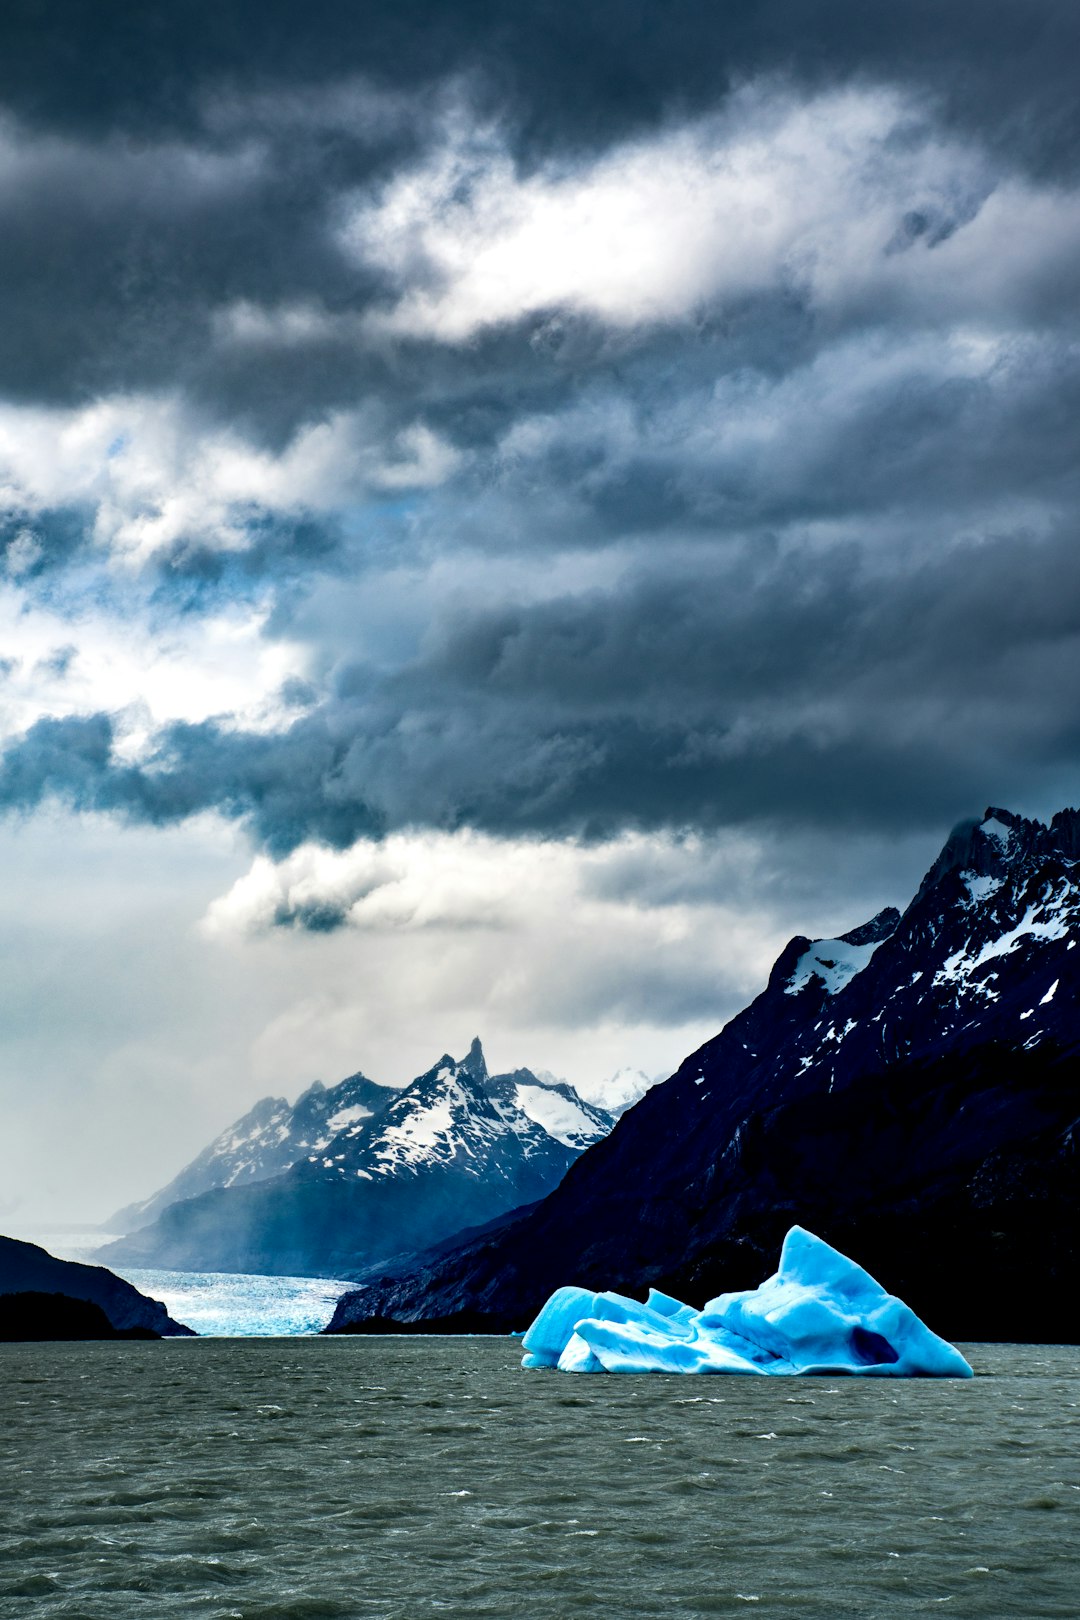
(820, 1313)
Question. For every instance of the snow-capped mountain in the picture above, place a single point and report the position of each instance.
(909, 1090)
(269, 1138)
(614, 1095)
(455, 1148)
(458, 1115)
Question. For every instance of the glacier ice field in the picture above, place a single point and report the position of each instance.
(232, 1305)
(820, 1313)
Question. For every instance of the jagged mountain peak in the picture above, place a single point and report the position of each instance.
(993, 845)
(1065, 828)
(874, 931)
(829, 964)
(999, 907)
(444, 1114)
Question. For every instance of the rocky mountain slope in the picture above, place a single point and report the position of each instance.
(453, 1149)
(267, 1140)
(34, 1316)
(26, 1269)
(909, 1090)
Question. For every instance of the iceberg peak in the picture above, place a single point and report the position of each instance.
(819, 1313)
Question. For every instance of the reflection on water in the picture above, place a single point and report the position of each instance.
(390, 1478)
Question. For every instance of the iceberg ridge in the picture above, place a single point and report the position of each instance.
(820, 1313)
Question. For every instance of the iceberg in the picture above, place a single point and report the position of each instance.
(820, 1313)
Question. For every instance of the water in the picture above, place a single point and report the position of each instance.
(391, 1479)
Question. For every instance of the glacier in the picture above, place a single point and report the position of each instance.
(235, 1305)
(820, 1313)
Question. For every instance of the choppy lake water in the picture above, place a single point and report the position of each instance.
(389, 1479)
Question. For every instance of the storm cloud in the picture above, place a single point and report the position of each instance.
(699, 456)
(803, 691)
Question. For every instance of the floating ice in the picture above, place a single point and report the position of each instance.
(821, 1313)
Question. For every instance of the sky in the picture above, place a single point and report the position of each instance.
(507, 514)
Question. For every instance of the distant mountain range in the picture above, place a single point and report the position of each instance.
(909, 1090)
(351, 1176)
(269, 1138)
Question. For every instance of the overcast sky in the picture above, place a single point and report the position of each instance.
(507, 513)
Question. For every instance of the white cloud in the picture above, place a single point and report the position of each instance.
(195, 667)
(556, 931)
(818, 194)
(153, 474)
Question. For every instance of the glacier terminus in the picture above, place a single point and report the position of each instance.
(820, 1313)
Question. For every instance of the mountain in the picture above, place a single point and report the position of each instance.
(29, 1271)
(36, 1316)
(909, 1090)
(614, 1095)
(266, 1141)
(455, 1148)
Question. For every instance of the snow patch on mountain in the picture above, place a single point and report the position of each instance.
(980, 886)
(1048, 919)
(560, 1117)
(833, 961)
(420, 1136)
(347, 1116)
(614, 1095)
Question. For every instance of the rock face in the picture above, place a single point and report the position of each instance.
(34, 1316)
(266, 1141)
(909, 1090)
(453, 1149)
(27, 1269)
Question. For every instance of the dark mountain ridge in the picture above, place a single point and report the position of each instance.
(27, 1269)
(908, 1090)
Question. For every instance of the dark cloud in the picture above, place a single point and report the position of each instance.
(569, 72)
(809, 691)
(116, 258)
(831, 511)
(165, 167)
